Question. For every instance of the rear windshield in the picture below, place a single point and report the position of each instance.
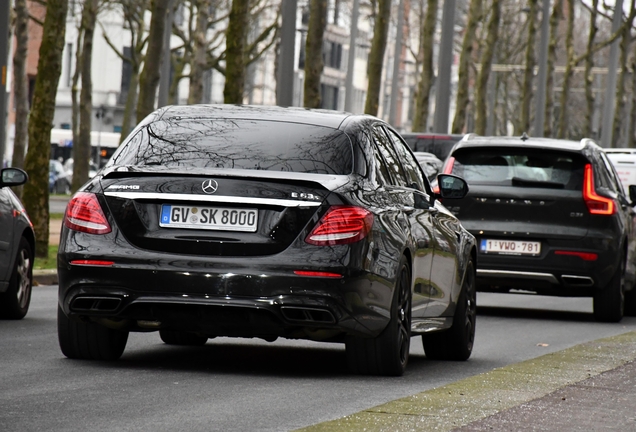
(520, 167)
(240, 144)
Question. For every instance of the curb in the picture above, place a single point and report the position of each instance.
(475, 398)
(45, 277)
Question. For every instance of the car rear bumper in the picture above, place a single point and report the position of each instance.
(234, 302)
(552, 272)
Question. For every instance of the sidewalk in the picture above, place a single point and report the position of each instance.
(49, 277)
(589, 387)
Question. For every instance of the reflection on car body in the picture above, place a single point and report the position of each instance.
(346, 242)
(550, 216)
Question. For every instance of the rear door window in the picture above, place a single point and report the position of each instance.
(520, 167)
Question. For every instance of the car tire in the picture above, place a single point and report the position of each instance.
(630, 302)
(609, 302)
(14, 303)
(87, 340)
(171, 337)
(387, 354)
(457, 342)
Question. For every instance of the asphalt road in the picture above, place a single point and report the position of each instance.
(239, 385)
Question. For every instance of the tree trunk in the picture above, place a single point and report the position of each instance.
(376, 56)
(149, 78)
(313, 52)
(523, 124)
(465, 59)
(588, 76)
(20, 86)
(235, 43)
(620, 85)
(549, 88)
(128, 121)
(487, 54)
(631, 126)
(427, 77)
(200, 52)
(36, 190)
(567, 75)
(82, 148)
(74, 86)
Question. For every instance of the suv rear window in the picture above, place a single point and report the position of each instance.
(239, 144)
(520, 167)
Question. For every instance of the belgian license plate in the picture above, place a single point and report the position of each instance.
(510, 247)
(209, 218)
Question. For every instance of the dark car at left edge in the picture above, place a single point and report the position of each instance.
(267, 222)
(17, 246)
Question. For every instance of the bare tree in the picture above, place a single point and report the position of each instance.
(376, 56)
(236, 40)
(487, 54)
(133, 15)
(313, 52)
(523, 124)
(427, 77)
(82, 148)
(465, 61)
(199, 52)
(36, 190)
(149, 78)
(620, 85)
(20, 85)
(555, 17)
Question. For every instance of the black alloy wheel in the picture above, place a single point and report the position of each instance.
(457, 342)
(609, 302)
(171, 337)
(387, 354)
(88, 340)
(14, 303)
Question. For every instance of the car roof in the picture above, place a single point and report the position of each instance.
(316, 117)
(472, 140)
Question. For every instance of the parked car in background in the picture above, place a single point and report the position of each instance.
(17, 246)
(59, 181)
(429, 163)
(438, 144)
(550, 216)
(68, 167)
(219, 220)
(624, 161)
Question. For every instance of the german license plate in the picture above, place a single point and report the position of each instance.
(209, 218)
(510, 247)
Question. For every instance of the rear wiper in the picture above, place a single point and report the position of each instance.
(516, 181)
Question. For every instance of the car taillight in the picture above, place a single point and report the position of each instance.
(84, 213)
(585, 256)
(341, 225)
(448, 166)
(596, 204)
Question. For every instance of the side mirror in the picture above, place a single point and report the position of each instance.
(632, 194)
(451, 186)
(12, 177)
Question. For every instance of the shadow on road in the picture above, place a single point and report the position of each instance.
(538, 314)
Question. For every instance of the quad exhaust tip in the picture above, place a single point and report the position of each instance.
(308, 315)
(95, 304)
(577, 281)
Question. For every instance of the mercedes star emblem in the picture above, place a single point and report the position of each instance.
(210, 186)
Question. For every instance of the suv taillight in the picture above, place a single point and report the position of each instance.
(341, 225)
(448, 166)
(596, 204)
(84, 213)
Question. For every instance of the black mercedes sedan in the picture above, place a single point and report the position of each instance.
(267, 222)
(550, 217)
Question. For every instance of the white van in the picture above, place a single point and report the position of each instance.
(624, 161)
